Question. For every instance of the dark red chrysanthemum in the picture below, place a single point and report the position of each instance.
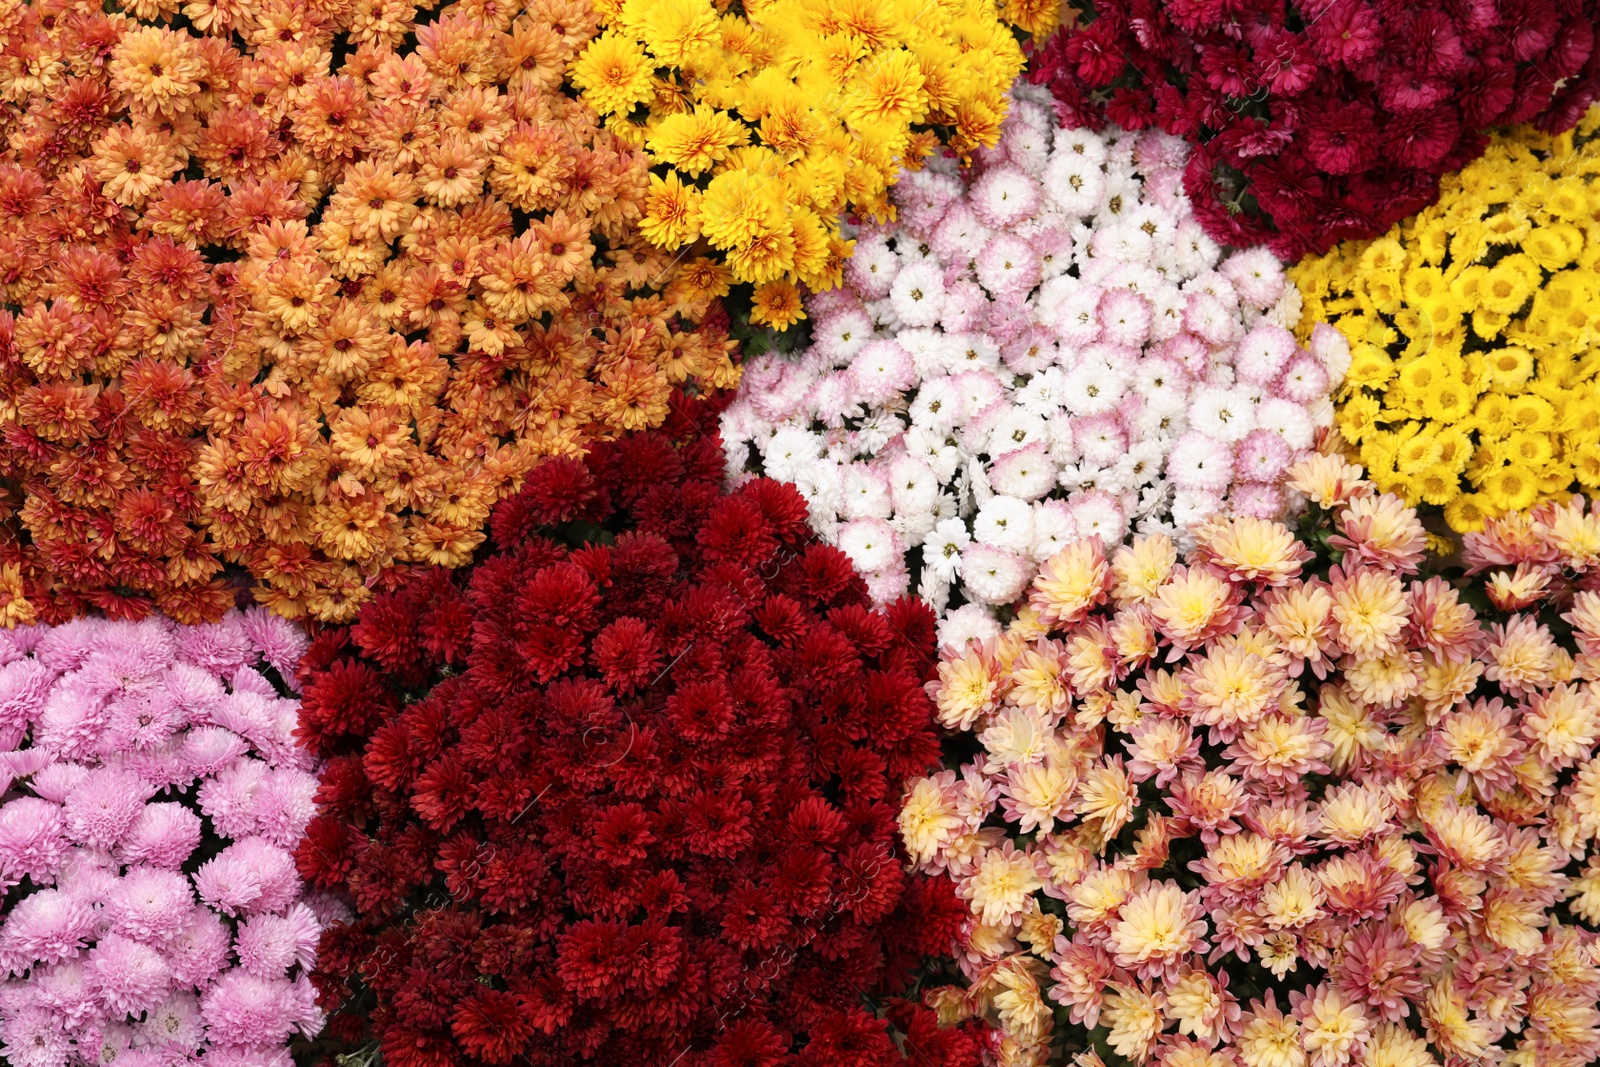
(1313, 103)
(628, 784)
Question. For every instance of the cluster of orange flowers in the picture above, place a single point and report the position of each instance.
(307, 317)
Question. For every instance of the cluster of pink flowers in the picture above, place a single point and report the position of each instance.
(1042, 347)
(154, 794)
(1283, 802)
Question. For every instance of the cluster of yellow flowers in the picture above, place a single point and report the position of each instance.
(1472, 325)
(765, 126)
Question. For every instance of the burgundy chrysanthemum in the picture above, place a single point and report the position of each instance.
(1359, 106)
(627, 786)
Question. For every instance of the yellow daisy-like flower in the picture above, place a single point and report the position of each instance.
(777, 304)
(671, 212)
(695, 141)
(614, 74)
(675, 31)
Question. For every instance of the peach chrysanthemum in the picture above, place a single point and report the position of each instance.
(1518, 589)
(1036, 679)
(1328, 480)
(1522, 654)
(1333, 1029)
(1281, 748)
(1563, 723)
(1071, 583)
(1134, 1017)
(1105, 797)
(928, 817)
(1449, 1025)
(1385, 681)
(1231, 688)
(1575, 532)
(1368, 610)
(1159, 748)
(1192, 606)
(1381, 531)
(1018, 1002)
(1464, 836)
(1098, 896)
(968, 687)
(1036, 795)
(1293, 901)
(1139, 569)
(1251, 550)
(1156, 927)
(1001, 884)
(1269, 1038)
(1301, 618)
(1202, 1006)
(1481, 740)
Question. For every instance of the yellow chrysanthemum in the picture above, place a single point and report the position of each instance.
(695, 141)
(671, 212)
(614, 74)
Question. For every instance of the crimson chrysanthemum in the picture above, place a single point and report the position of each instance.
(1318, 121)
(628, 785)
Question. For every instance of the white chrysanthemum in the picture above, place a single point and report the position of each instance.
(1025, 473)
(912, 486)
(876, 431)
(1080, 144)
(994, 575)
(1225, 414)
(842, 335)
(1093, 388)
(785, 453)
(1043, 393)
(1121, 241)
(1015, 429)
(870, 543)
(1004, 522)
(1289, 420)
(1074, 183)
(968, 623)
(918, 293)
(971, 351)
(1096, 514)
(1053, 529)
(873, 266)
(942, 548)
(866, 493)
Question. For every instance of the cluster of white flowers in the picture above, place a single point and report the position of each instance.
(1044, 348)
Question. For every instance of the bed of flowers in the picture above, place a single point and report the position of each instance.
(812, 533)
(1472, 386)
(153, 793)
(1318, 121)
(1041, 348)
(1304, 795)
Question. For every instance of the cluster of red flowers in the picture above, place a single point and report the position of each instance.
(1318, 121)
(627, 788)
(304, 288)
